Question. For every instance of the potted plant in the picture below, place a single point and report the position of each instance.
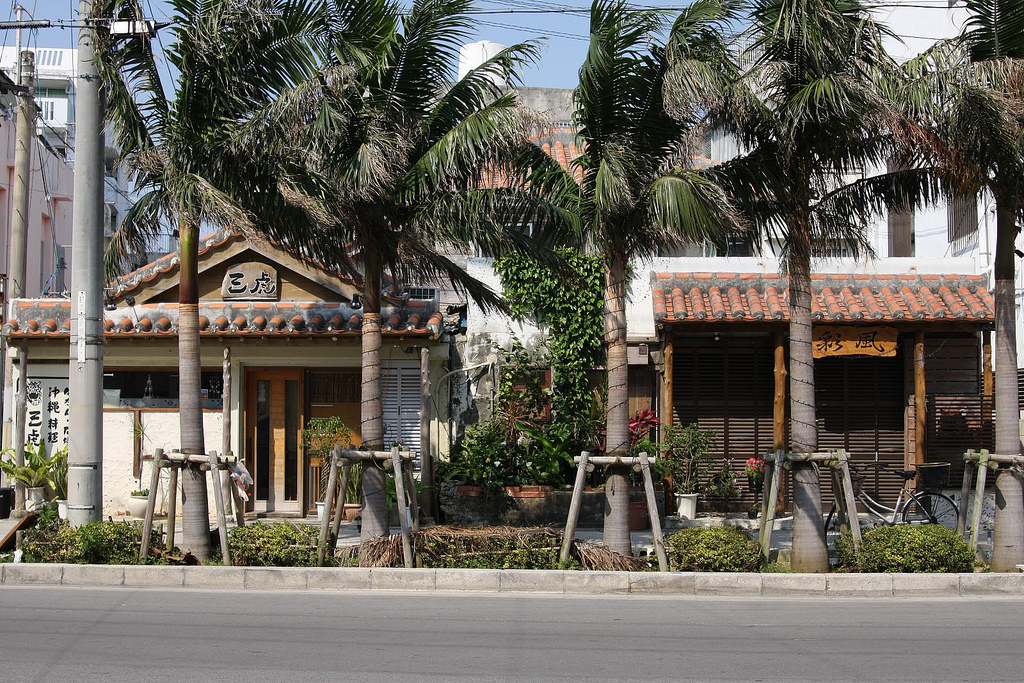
(754, 469)
(686, 452)
(34, 475)
(319, 438)
(138, 502)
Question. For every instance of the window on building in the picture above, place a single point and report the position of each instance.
(155, 389)
(962, 221)
(902, 241)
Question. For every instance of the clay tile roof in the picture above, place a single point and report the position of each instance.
(218, 318)
(680, 298)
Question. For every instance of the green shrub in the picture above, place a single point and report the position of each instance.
(712, 549)
(907, 548)
(53, 540)
(275, 545)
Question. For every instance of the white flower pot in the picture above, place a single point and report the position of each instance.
(62, 509)
(320, 511)
(686, 505)
(35, 497)
(137, 506)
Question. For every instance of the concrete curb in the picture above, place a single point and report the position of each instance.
(517, 581)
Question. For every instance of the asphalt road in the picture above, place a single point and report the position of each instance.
(71, 634)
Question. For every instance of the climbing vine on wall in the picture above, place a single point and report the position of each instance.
(570, 305)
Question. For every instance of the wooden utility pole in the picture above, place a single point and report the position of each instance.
(668, 362)
(920, 400)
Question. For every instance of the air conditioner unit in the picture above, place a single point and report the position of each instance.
(638, 354)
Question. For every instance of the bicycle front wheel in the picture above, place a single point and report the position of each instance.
(930, 507)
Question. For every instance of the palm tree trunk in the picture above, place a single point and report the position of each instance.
(616, 489)
(1008, 543)
(195, 510)
(810, 553)
(371, 418)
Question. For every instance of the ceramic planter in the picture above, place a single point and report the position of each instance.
(35, 497)
(137, 506)
(686, 505)
(638, 517)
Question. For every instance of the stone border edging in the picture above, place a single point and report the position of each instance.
(516, 581)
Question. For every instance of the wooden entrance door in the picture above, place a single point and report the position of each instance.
(273, 439)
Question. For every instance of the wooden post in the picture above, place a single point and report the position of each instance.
(218, 501)
(325, 523)
(779, 402)
(848, 498)
(987, 380)
(225, 439)
(979, 498)
(414, 507)
(426, 456)
(339, 505)
(920, 401)
(667, 384)
(569, 534)
(20, 408)
(773, 500)
(154, 483)
(652, 510)
(172, 503)
(965, 492)
(396, 464)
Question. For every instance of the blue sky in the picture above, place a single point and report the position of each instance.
(512, 21)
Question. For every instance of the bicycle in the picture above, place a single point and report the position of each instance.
(929, 506)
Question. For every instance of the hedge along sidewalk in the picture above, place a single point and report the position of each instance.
(516, 581)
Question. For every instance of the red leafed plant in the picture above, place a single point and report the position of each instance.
(641, 425)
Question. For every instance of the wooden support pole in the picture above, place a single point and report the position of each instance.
(20, 428)
(848, 498)
(652, 509)
(979, 498)
(987, 380)
(403, 522)
(325, 523)
(172, 504)
(569, 534)
(225, 422)
(238, 503)
(426, 456)
(965, 492)
(339, 505)
(375, 456)
(218, 501)
(920, 401)
(779, 401)
(778, 458)
(154, 484)
(606, 460)
(667, 384)
(414, 506)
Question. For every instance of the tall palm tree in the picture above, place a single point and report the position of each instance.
(809, 110)
(177, 139)
(639, 191)
(970, 92)
(397, 164)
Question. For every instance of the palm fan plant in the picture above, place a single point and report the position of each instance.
(810, 111)
(178, 140)
(396, 164)
(639, 191)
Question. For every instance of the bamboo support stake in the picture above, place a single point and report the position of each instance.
(965, 492)
(414, 507)
(396, 464)
(339, 505)
(225, 425)
(236, 500)
(574, 509)
(652, 509)
(979, 498)
(218, 500)
(154, 484)
(172, 503)
(325, 523)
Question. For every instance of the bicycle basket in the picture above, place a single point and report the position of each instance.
(933, 475)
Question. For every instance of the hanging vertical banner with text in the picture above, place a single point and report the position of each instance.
(849, 340)
(48, 410)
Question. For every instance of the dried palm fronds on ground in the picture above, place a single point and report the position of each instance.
(493, 548)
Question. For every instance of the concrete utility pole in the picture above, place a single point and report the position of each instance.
(85, 371)
(19, 242)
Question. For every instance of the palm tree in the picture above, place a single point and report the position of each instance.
(639, 192)
(231, 58)
(394, 161)
(809, 110)
(969, 92)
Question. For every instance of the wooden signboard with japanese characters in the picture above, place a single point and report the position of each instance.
(250, 281)
(849, 340)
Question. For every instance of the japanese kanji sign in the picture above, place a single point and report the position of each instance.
(48, 409)
(249, 281)
(843, 340)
